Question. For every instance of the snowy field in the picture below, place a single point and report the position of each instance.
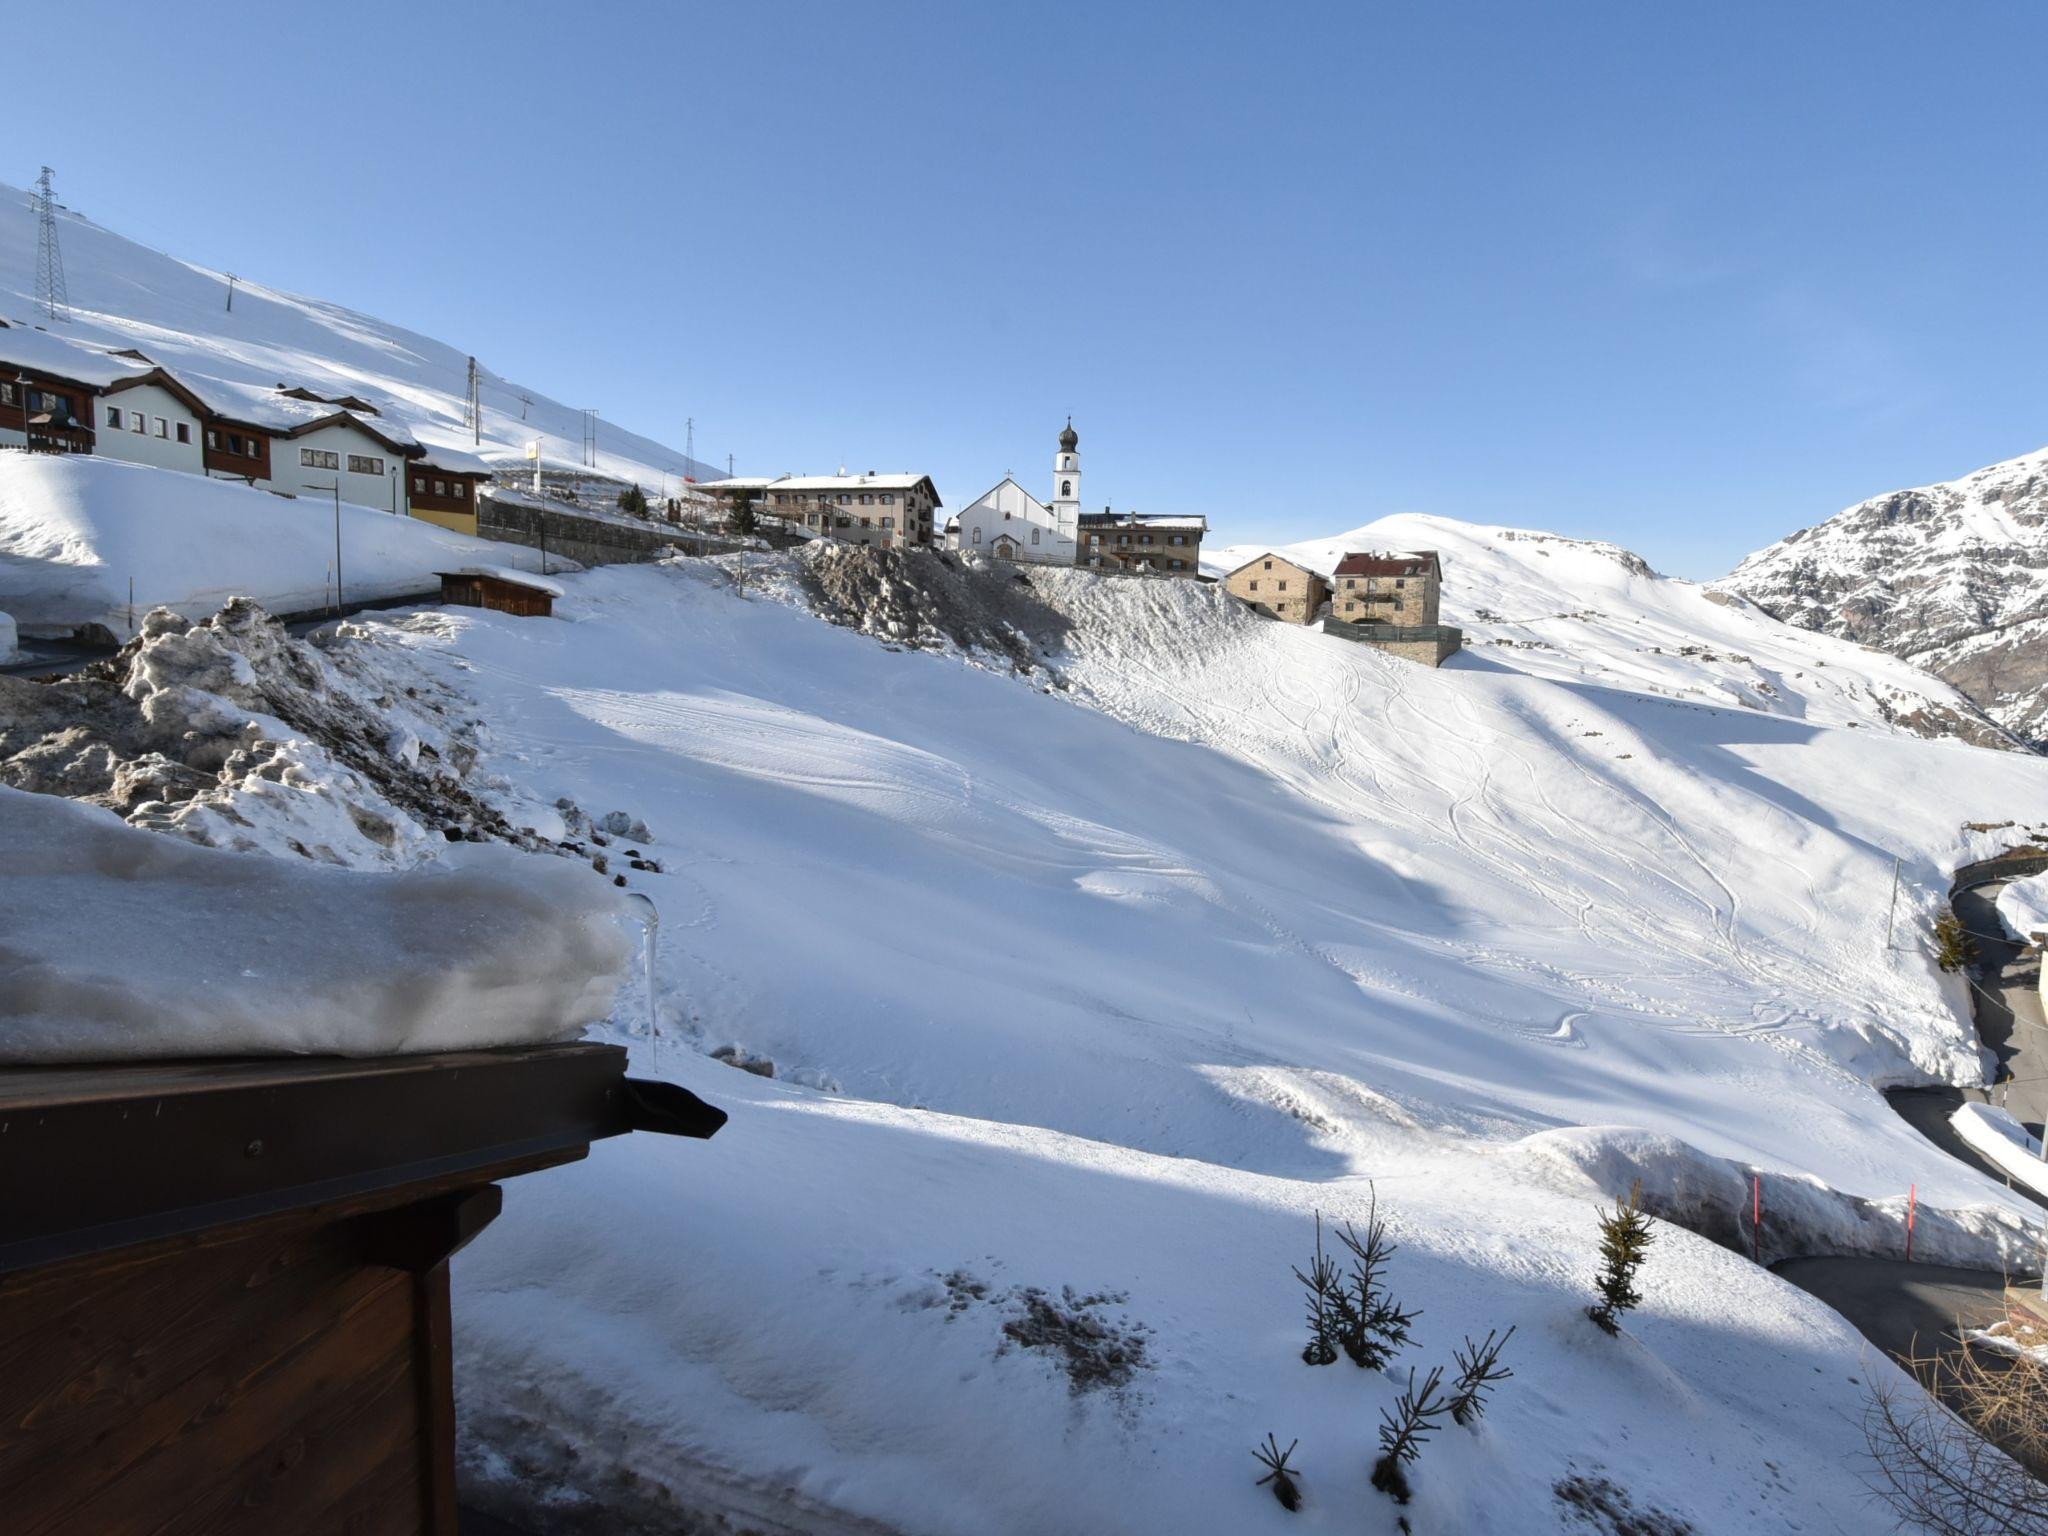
(75, 531)
(1087, 986)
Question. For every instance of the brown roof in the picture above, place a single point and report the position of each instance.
(1421, 563)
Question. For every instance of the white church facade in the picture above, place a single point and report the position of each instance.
(1009, 523)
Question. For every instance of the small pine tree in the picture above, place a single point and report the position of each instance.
(634, 500)
(1625, 1238)
(1281, 1476)
(1954, 947)
(743, 519)
(1326, 1302)
(1479, 1368)
(1417, 1413)
(1372, 1326)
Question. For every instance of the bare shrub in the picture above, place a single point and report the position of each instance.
(1966, 1456)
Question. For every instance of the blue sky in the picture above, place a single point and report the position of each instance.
(1685, 277)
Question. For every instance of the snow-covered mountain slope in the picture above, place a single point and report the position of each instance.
(1585, 611)
(1952, 576)
(1086, 987)
(175, 312)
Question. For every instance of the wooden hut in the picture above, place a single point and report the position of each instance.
(224, 1285)
(490, 586)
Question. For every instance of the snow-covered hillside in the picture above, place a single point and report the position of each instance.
(1952, 576)
(1093, 963)
(1086, 987)
(1586, 611)
(176, 313)
(90, 541)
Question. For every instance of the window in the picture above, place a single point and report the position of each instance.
(184, 431)
(1400, 583)
(866, 500)
(1180, 565)
(843, 522)
(419, 485)
(163, 428)
(864, 522)
(888, 522)
(6, 394)
(235, 443)
(1255, 583)
(1178, 538)
(462, 490)
(845, 500)
(888, 500)
(137, 422)
(977, 535)
(1066, 488)
(365, 464)
(114, 417)
(1034, 535)
(440, 487)
(1283, 586)
(1006, 517)
(212, 439)
(319, 458)
(1266, 566)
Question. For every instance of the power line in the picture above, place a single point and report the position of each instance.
(50, 291)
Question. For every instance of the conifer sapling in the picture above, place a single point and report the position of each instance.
(1285, 1489)
(1479, 1368)
(1625, 1238)
(1417, 1413)
(1325, 1304)
(1372, 1325)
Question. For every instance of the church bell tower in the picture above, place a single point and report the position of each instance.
(1066, 482)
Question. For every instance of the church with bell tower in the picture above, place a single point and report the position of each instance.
(1009, 523)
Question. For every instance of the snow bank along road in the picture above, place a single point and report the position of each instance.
(1086, 988)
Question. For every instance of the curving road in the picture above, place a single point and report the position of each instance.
(1893, 1303)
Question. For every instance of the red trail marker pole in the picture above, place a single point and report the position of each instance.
(1912, 1209)
(1756, 1217)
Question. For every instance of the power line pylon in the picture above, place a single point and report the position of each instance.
(50, 291)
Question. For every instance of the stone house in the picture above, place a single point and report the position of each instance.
(888, 511)
(1278, 588)
(1155, 544)
(1388, 589)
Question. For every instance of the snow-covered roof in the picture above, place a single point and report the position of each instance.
(23, 346)
(1172, 522)
(836, 483)
(744, 482)
(1420, 563)
(457, 461)
(267, 407)
(507, 574)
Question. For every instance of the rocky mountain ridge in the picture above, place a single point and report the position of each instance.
(1952, 577)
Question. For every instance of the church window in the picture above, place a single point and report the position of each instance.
(1034, 535)
(977, 535)
(1066, 487)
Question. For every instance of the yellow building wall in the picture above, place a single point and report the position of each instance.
(461, 522)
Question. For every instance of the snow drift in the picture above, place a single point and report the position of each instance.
(75, 531)
(230, 954)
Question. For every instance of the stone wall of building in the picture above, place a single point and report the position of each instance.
(1432, 645)
(1278, 588)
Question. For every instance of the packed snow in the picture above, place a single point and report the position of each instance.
(2023, 907)
(75, 531)
(122, 944)
(2004, 1142)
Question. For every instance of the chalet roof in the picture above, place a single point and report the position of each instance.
(836, 483)
(744, 482)
(288, 415)
(1422, 562)
(455, 461)
(509, 576)
(78, 362)
(1170, 521)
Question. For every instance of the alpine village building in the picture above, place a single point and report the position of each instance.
(63, 396)
(1009, 523)
(887, 511)
(1390, 602)
(1275, 586)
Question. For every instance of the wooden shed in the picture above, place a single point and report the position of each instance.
(490, 586)
(224, 1285)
